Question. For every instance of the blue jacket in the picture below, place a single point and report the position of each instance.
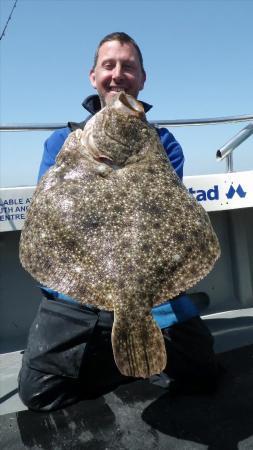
(177, 310)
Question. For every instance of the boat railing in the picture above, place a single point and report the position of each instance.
(224, 152)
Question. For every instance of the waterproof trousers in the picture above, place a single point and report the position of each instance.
(69, 356)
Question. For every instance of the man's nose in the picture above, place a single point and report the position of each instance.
(118, 72)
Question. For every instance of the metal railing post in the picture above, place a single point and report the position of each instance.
(229, 163)
(226, 151)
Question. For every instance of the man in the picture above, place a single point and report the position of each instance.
(69, 353)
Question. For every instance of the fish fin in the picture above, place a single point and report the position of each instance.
(138, 347)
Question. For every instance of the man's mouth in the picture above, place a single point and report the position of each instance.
(117, 89)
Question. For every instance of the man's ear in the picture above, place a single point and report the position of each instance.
(143, 80)
(93, 78)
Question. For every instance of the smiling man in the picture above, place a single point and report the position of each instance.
(69, 352)
(118, 66)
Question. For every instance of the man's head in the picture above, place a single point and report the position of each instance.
(118, 65)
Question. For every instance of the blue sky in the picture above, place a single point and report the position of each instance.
(197, 54)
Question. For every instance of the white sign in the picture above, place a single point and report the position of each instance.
(222, 191)
(14, 203)
(214, 192)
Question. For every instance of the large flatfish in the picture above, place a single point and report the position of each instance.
(112, 225)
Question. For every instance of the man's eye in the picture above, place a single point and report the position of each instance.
(108, 66)
(128, 67)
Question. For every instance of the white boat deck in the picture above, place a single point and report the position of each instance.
(10, 364)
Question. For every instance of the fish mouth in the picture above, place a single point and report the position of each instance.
(128, 104)
(131, 102)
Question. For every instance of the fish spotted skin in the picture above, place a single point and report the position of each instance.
(111, 224)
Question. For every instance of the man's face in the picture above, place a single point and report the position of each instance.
(118, 69)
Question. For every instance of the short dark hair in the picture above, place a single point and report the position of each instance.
(123, 38)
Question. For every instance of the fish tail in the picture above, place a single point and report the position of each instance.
(138, 347)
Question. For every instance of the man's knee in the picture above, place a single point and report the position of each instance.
(36, 389)
(27, 388)
(191, 357)
(46, 392)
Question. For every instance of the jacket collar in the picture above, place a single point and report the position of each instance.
(92, 104)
